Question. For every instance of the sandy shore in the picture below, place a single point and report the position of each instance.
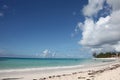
(109, 71)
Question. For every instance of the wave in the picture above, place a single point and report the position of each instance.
(42, 68)
(56, 68)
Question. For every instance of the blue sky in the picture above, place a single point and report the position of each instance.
(58, 28)
(29, 27)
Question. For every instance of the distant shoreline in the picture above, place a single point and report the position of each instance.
(112, 58)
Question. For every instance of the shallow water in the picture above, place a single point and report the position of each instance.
(20, 63)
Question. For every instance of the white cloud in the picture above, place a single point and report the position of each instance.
(93, 7)
(103, 34)
(45, 53)
(53, 54)
(114, 3)
(117, 46)
(77, 29)
(48, 53)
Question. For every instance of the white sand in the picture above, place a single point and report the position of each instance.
(74, 73)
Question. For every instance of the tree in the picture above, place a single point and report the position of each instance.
(106, 54)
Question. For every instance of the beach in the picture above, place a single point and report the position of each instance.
(103, 71)
(59, 40)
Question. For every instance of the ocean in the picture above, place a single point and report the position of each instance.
(23, 63)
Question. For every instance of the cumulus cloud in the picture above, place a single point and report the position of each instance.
(48, 53)
(104, 31)
(115, 4)
(103, 34)
(93, 7)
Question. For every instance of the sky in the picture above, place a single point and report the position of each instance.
(58, 28)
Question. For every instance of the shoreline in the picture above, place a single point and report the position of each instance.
(64, 73)
(86, 65)
(112, 58)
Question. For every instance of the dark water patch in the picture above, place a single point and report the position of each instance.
(3, 59)
(12, 78)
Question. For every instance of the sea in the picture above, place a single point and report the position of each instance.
(24, 63)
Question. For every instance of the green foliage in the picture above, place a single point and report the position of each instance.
(106, 54)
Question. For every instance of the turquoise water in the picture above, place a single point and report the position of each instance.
(20, 63)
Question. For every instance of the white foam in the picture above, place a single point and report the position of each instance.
(54, 68)
(42, 68)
